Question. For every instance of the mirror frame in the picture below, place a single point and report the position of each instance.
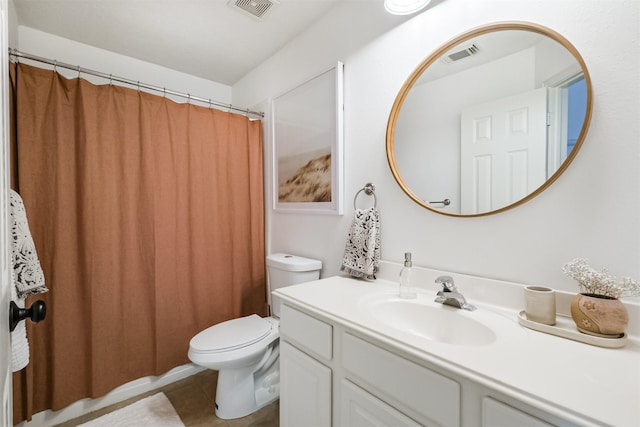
(415, 75)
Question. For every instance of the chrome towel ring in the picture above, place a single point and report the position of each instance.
(369, 189)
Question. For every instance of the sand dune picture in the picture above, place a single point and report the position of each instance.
(309, 183)
(307, 146)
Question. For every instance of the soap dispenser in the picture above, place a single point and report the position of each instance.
(406, 285)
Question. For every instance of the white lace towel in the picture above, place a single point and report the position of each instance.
(362, 251)
(27, 276)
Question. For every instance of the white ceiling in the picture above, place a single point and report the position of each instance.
(204, 38)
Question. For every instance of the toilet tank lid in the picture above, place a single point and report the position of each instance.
(293, 262)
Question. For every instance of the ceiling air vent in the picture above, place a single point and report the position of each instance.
(460, 54)
(254, 8)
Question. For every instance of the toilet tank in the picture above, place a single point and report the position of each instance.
(286, 270)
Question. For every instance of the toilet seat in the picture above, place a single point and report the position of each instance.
(246, 351)
(231, 335)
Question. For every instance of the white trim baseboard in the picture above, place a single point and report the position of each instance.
(124, 392)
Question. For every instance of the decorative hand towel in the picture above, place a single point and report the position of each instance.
(27, 276)
(362, 251)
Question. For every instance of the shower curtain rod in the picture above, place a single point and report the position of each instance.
(17, 54)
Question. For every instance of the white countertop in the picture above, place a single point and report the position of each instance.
(582, 383)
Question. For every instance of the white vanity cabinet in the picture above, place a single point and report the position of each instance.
(329, 376)
(332, 375)
(353, 355)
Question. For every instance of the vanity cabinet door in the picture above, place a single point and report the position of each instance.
(498, 414)
(362, 409)
(305, 389)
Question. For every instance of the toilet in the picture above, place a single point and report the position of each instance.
(245, 351)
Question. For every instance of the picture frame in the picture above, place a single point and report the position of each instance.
(307, 125)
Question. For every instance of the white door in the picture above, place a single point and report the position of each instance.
(6, 413)
(503, 151)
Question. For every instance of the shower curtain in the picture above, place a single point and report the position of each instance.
(147, 216)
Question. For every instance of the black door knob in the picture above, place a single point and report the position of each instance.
(37, 312)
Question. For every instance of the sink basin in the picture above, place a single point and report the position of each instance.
(432, 321)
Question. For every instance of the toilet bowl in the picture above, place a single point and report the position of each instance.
(245, 351)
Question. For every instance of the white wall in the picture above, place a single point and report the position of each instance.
(592, 211)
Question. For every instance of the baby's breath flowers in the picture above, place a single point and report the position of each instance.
(595, 282)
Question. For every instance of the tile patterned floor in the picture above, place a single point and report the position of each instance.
(193, 398)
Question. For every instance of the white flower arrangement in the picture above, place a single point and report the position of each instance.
(595, 282)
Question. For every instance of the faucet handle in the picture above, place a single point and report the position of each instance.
(447, 283)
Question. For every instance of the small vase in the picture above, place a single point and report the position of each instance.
(599, 315)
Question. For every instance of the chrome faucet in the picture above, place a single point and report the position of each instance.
(449, 294)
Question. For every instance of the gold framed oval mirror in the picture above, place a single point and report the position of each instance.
(489, 120)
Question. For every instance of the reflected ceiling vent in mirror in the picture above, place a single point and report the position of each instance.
(256, 9)
(460, 54)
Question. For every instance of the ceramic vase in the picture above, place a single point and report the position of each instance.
(599, 315)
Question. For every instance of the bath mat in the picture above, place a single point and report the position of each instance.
(152, 411)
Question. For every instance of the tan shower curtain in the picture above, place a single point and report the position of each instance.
(148, 220)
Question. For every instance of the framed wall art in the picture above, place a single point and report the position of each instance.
(307, 146)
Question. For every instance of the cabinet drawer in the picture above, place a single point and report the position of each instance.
(308, 333)
(495, 413)
(430, 394)
(359, 408)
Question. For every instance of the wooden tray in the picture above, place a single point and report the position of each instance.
(566, 328)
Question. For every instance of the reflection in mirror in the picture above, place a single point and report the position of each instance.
(489, 120)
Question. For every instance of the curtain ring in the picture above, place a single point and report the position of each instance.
(164, 92)
(138, 85)
(55, 65)
(78, 71)
(210, 104)
(110, 79)
(188, 98)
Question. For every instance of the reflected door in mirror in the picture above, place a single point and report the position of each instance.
(503, 151)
